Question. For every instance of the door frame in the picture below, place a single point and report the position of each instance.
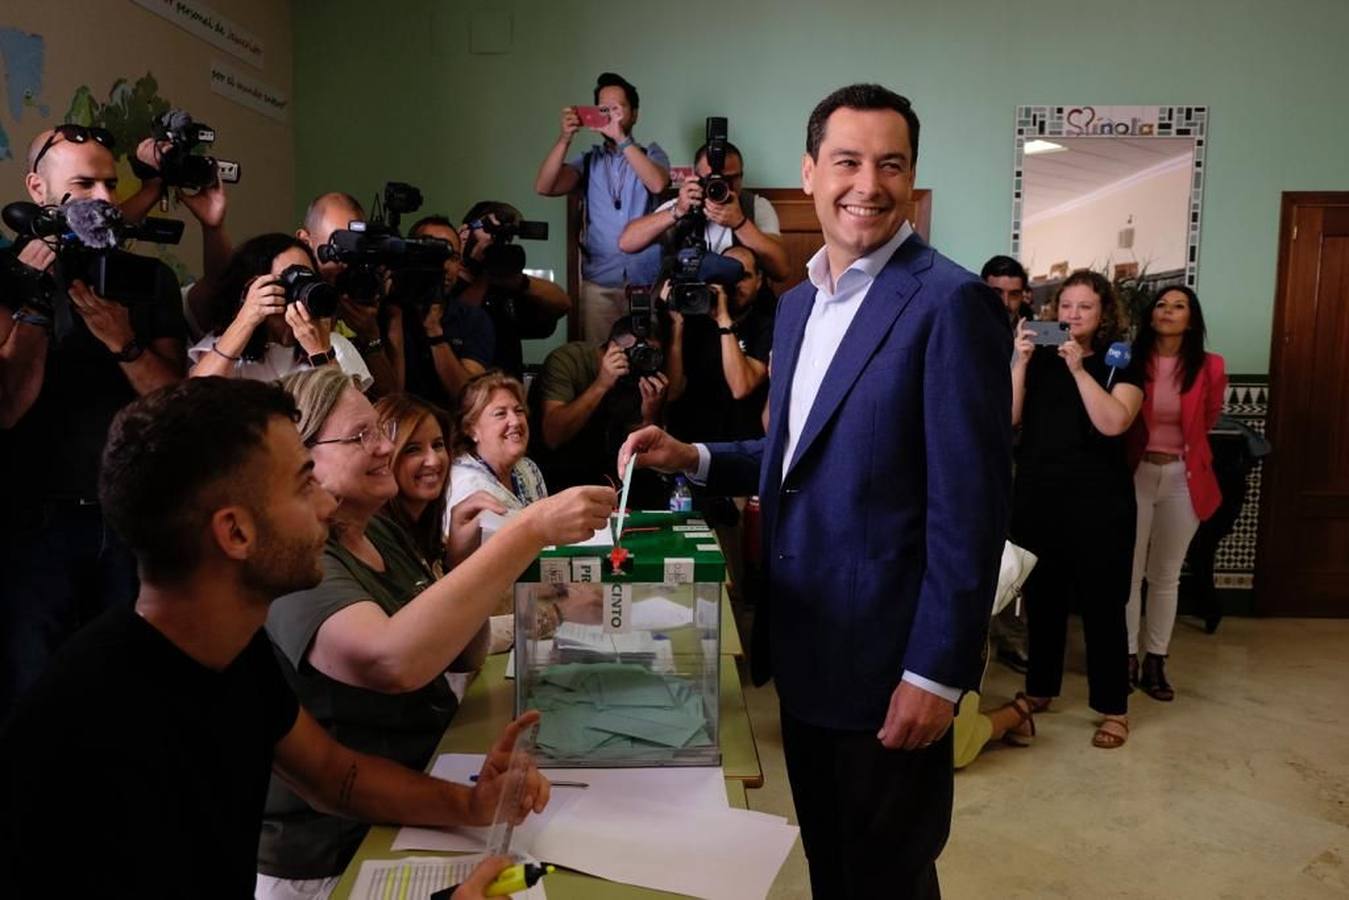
(1281, 413)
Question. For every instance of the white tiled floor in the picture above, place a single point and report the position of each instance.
(1238, 789)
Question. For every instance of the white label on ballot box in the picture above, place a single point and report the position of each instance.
(554, 571)
(618, 609)
(586, 570)
(679, 571)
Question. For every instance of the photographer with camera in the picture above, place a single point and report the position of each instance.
(272, 315)
(69, 360)
(718, 362)
(208, 205)
(449, 342)
(492, 277)
(729, 215)
(588, 399)
(360, 305)
(620, 180)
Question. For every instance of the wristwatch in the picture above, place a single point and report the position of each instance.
(130, 353)
(322, 358)
(626, 143)
(438, 339)
(721, 330)
(368, 346)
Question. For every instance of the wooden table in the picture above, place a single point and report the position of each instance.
(490, 703)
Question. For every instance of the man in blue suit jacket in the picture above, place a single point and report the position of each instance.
(884, 480)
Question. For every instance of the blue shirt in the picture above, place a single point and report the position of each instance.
(614, 197)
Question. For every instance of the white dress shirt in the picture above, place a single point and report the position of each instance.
(837, 301)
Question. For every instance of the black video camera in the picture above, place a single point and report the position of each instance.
(304, 286)
(84, 235)
(644, 359)
(504, 260)
(179, 164)
(695, 271)
(416, 264)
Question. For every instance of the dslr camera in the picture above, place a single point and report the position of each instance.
(370, 248)
(304, 286)
(179, 164)
(643, 358)
(85, 235)
(694, 271)
(715, 186)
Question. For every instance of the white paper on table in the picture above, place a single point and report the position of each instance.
(417, 877)
(726, 854)
(694, 788)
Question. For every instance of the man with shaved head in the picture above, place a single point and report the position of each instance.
(331, 212)
(60, 388)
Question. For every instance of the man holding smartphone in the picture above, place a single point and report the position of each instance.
(620, 180)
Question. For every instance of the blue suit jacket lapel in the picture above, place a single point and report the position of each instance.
(793, 313)
(888, 296)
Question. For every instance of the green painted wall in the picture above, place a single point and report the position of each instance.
(392, 91)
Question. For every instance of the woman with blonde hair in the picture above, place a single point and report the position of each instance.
(367, 649)
(490, 444)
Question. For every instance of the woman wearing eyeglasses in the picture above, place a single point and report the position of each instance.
(256, 332)
(366, 650)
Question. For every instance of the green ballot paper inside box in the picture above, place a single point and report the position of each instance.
(620, 652)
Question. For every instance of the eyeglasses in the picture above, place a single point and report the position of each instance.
(368, 437)
(76, 134)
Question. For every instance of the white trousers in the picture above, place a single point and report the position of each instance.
(600, 308)
(1166, 523)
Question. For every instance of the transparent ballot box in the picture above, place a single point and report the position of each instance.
(624, 665)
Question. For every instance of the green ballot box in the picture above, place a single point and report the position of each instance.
(623, 663)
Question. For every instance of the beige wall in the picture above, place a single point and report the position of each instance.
(95, 42)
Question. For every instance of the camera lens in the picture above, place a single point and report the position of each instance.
(304, 286)
(718, 189)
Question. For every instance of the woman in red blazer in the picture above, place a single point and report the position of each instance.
(1173, 470)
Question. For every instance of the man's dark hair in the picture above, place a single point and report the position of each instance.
(434, 219)
(1005, 267)
(730, 148)
(483, 208)
(863, 97)
(612, 79)
(659, 330)
(173, 457)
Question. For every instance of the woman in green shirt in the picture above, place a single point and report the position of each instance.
(367, 650)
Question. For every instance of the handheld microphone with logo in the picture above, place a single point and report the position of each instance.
(1117, 357)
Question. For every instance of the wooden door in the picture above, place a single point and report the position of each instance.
(1302, 563)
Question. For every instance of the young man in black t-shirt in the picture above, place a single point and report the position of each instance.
(145, 749)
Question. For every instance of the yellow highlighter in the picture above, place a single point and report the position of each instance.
(511, 880)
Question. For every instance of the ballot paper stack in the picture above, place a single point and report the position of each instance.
(619, 711)
(586, 643)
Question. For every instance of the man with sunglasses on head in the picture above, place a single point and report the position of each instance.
(65, 371)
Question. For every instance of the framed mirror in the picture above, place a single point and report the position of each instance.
(1117, 189)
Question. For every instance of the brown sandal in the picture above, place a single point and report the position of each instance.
(1024, 710)
(1111, 733)
(1037, 704)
